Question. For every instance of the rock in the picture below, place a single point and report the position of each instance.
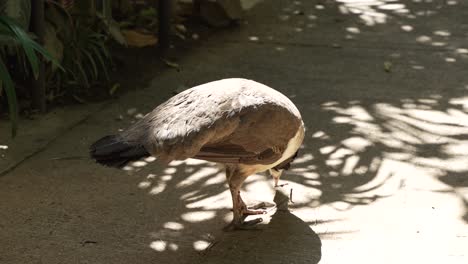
(219, 13)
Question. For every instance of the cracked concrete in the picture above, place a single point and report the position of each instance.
(382, 176)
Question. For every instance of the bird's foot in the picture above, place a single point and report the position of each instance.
(243, 225)
(280, 185)
(262, 206)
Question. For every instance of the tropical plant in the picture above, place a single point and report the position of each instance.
(12, 35)
(80, 44)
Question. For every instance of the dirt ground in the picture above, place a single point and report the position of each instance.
(381, 178)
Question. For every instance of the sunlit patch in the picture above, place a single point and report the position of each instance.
(407, 28)
(359, 113)
(173, 226)
(189, 170)
(139, 163)
(298, 29)
(310, 175)
(341, 153)
(356, 143)
(327, 149)
(173, 247)
(304, 158)
(418, 67)
(449, 59)
(216, 179)
(423, 39)
(439, 44)
(340, 205)
(195, 162)
(144, 184)
(463, 101)
(392, 7)
(166, 177)
(318, 134)
(131, 111)
(330, 103)
(343, 9)
(452, 2)
(195, 217)
(171, 170)
(283, 17)
(3, 147)
(176, 163)
(213, 202)
(150, 159)
(320, 7)
(461, 51)
(159, 245)
(333, 162)
(128, 168)
(353, 30)
(159, 188)
(151, 176)
(197, 176)
(312, 17)
(189, 195)
(341, 119)
(254, 38)
(442, 33)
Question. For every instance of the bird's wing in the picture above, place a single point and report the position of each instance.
(208, 120)
(260, 137)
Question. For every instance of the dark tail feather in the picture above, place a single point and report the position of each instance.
(112, 151)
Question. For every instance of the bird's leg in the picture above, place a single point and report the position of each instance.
(239, 209)
(276, 174)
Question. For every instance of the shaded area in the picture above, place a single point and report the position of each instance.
(383, 166)
(285, 238)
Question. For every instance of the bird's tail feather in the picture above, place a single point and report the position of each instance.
(112, 151)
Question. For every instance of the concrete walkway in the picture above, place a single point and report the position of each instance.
(382, 178)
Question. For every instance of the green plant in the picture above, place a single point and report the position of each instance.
(12, 34)
(86, 58)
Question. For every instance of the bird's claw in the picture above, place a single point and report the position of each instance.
(244, 225)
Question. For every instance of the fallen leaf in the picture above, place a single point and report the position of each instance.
(387, 66)
(138, 39)
(79, 99)
(171, 64)
(114, 88)
(181, 28)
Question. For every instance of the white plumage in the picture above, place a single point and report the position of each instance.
(240, 123)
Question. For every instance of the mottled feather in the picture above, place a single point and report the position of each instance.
(229, 121)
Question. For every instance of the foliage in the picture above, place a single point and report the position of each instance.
(86, 58)
(13, 35)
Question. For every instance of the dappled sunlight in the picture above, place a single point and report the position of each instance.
(367, 151)
(359, 150)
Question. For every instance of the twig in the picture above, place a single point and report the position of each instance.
(290, 195)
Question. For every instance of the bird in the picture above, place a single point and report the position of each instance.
(243, 125)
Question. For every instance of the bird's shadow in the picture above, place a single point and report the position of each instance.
(286, 238)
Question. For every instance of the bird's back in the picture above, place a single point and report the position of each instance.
(238, 116)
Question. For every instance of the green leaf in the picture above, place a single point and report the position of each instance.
(9, 89)
(93, 64)
(83, 74)
(29, 45)
(101, 61)
(25, 41)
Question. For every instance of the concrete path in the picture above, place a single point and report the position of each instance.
(382, 178)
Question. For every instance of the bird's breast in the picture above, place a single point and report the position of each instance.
(293, 145)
